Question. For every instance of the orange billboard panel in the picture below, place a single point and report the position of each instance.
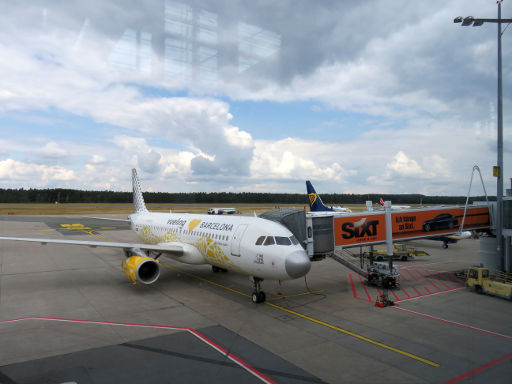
(371, 227)
(351, 230)
(437, 221)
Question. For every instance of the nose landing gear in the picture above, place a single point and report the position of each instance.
(258, 296)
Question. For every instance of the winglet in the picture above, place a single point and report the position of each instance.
(138, 199)
(315, 202)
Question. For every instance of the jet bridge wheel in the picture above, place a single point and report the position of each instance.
(258, 296)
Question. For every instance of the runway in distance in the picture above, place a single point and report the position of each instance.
(253, 246)
(316, 204)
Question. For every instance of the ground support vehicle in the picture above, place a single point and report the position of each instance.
(400, 252)
(491, 283)
(379, 274)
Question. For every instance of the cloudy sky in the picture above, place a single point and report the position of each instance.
(358, 96)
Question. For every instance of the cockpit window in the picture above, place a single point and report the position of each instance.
(269, 240)
(294, 240)
(260, 240)
(280, 240)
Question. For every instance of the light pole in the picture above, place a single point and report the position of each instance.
(476, 22)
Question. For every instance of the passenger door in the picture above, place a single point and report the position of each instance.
(237, 237)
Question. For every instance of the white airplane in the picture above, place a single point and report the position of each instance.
(381, 202)
(257, 247)
(221, 211)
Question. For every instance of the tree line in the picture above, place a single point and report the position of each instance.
(79, 196)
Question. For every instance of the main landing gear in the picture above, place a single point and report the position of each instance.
(258, 296)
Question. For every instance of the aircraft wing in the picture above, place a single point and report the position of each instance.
(174, 249)
(107, 218)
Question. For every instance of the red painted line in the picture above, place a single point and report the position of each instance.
(441, 281)
(406, 294)
(435, 293)
(232, 357)
(428, 290)
(354, 292)
(403, 277)
(455, 323)
(366, 290)
(353, 286)
(421, 274)
(448, 278)
(479, 369)
(418, 292)
(409, 272)
(396, 297)
(458, 278)
(192, 331)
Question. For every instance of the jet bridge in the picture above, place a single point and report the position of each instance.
(314, 232)
(320, 233)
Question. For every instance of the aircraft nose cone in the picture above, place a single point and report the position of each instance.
(297, 264)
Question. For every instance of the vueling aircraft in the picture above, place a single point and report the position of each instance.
(253, 246)
(316, 204)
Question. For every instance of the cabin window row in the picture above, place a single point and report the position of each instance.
(215, 236)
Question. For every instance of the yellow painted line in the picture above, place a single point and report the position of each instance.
(374, 342)
(84, 229)
(95, 235)
(357, 336)
(72, 227)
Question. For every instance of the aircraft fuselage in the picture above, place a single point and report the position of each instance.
(244, 244)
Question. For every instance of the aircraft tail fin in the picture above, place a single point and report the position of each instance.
(315, 202)
(138, 199)
(382, 202)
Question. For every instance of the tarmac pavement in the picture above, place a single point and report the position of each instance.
(324, 328)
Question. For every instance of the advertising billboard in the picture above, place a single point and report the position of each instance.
(370, 228)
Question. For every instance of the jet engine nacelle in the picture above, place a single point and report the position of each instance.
(145, 270)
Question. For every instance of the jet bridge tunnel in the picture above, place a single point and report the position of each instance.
(320, 233)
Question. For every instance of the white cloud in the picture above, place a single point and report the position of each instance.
(52, 151)
(13, 172)
(428, 85)
(98, 160)
(238, 138)
(296, 159)
(403, 166)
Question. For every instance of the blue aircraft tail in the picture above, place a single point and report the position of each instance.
(315, 202)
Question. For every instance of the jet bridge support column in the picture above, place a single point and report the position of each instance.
(389, 233)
